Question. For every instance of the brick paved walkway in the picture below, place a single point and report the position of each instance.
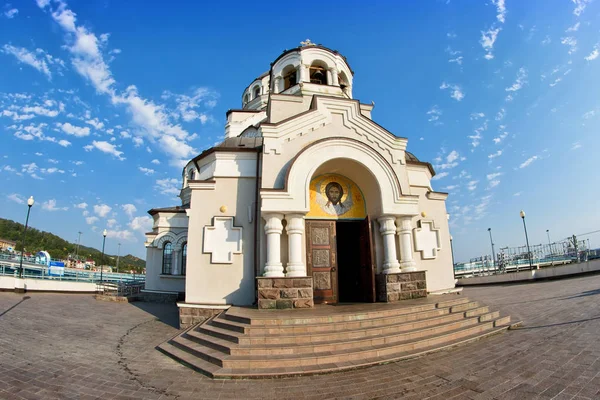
(56, 346)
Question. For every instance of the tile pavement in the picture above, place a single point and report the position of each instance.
(57, 346)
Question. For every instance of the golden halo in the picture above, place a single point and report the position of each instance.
(322, 184)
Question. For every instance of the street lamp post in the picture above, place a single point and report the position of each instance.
(522, 213)
(549, 244)
(493, 252)
(118, 254)
(102, 259)
(77, 250)
(452, 251)
(30, 202)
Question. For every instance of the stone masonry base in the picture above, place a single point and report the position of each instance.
(285, 293)
(190, 315)
(401, 286)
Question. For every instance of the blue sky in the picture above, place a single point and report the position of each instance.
(102, 101)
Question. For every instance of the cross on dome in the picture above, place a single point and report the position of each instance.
(307, 42)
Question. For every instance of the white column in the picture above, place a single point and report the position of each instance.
(277, 85)
(302, 75)
(329, 77)
(406, 253)
(334, 76)
(273, 229)
(295, 230)
(388, 231)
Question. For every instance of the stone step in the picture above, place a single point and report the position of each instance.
(343, 356)
(261, 373)
(453, 302)
(489, 316)
(304, 317)
(464, 306)
(205, 353)
(503, 321)
(330, 346)
(296, 329)
(477, 311)
(189, 360)
(353, 332)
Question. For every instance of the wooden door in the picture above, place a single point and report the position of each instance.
(367, 263)
(321, 260)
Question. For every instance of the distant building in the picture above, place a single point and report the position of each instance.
(7, 245)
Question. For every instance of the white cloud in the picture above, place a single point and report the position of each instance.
(519, 82)
(439, 176)
(76, 131)
(580, 6)
(168, 186)
(528, 161)
(576, 146)
(50, 205)
(488, 38)
(11, 13)
(111, 223)
(472, 185)
(91, 220)
(517, 194)
(434, 115)
(105, 147)
(30, 58)
(500, 138)
(64, 143)
(123, 235)
(155, 161)
(571, 42)
(500, 115)
(546, 40)
(493, 176)
(146, 171)
(476, 116)
(456, 90)
(82, 206)
(30, 169)
(141, 224)
(137, 141)
(594, 54)
(16, 198)
(51, 171)
(494, 183)
(501, 8)
(556, 81)
(451, 187)
(496, 154)
(102, 210)
(589, 114)
(129, 209)
(573, 28)
(95, 123)
(452, 156)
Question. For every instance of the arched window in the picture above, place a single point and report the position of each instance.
(318, 75)
(192, 174)
(167, 258)
(246, 98)
(289, 77)
(183, 258)
(256, 92)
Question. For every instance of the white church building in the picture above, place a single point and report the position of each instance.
(307, 200)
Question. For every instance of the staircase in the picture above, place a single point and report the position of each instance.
(247, 343)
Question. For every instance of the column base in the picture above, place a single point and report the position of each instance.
(274, 271)
(295, 270)
(391, 268)
(401, 286)
(408, 266)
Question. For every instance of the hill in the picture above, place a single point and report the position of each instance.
(37, 240)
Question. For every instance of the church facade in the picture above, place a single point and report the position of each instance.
(307, 198)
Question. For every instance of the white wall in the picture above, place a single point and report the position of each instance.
(10, 283)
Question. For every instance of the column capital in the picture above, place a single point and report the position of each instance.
(273, 223)
(388, 224)
(404, 223)
(295, 223)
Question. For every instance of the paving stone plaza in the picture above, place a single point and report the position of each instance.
(59, 346)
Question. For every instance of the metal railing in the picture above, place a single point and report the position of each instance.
(70, 274)
(515, 259)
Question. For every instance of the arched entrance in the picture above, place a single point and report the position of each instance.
(339, 244)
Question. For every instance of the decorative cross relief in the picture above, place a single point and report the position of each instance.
(427, 239)
(222, 240)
